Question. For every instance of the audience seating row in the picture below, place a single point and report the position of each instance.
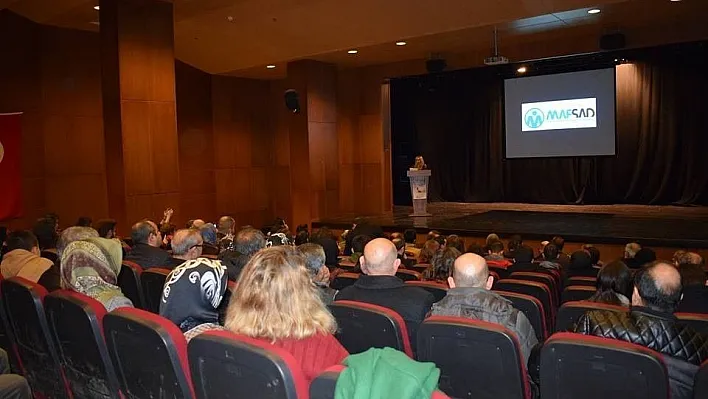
(72, 348)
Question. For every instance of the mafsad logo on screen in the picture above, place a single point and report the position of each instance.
(533, 118)
(563, 114)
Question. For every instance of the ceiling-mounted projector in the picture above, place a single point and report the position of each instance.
(496, 60)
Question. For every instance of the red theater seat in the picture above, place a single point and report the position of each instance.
(540, 291)
(421, 267)
(577, 293)
(129, 283)
(502, 273)
(76, 326)
(226, 365)
(700, 387)
(570, 312)
(439, 290)
(541, 278)
(408, 275)
(476, 359)
(363, 326)
(582, 281)
(579, 367)
(699, 321)
(532, 308)
(324, 386)
(344, 280)
(152, 282)
(24, 301)
(149, 354)
(7, 339)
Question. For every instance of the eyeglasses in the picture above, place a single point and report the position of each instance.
(197, 246)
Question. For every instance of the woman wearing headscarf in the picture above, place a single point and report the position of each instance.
(192, 295)
(91, 267)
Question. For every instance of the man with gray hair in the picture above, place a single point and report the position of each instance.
(380, 286)
(315, 263)
(470, 296)
(245, 244)
(187, 245)
(225, 232)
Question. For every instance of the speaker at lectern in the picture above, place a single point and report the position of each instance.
(419, 177)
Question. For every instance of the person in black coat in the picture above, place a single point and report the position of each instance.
(380, 286)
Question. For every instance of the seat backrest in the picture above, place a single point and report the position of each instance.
(699, 321)
(438, 290)
(541, 278)
(344, 280)
(532, 308)
(129, 283)
(75, 324)
(221, 362)
(577, 293)
(537, 290)
(700, 386)
(502, 273)
(421, 267)
(152, 281)
(7, 338)
(495, 277)
(476, 359)
(582, 281)
(409, 275)
(579, 366)
(325, 384)
(24, 302)
(149, 354)
(362, 326)
(570, 312)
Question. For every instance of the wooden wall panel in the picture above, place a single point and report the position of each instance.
(53, 76)
(196, 145)
(243, 149)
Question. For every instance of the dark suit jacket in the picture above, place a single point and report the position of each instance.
(412, 303)
(147, 256)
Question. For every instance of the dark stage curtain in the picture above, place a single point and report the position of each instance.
(455, 121)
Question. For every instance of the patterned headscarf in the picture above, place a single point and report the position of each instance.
(91, 267)
(193, 292)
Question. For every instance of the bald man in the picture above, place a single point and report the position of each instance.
(651, 323)
(469, 296)
(380, 286)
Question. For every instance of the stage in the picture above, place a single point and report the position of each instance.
(665, 226)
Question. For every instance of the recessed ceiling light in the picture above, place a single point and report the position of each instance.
(270, 66)
(675, 1)
(401, 43)
(352, 51)
(96, 8)
(521, 70)
(594, 11)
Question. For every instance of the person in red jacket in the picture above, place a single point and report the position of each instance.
(277, 302)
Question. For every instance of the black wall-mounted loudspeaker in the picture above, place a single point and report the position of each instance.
(292, 100)
(613, 41)
(435, 65)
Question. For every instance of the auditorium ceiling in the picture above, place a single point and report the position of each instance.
(241, 37)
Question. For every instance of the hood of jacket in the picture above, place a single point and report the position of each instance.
(25, 264)
(386, 373)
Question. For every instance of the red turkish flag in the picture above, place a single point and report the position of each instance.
(10, 176)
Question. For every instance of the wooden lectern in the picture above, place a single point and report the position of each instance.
(419, 191)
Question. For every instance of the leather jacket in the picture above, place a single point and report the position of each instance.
(481, 304)
(656, 330)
